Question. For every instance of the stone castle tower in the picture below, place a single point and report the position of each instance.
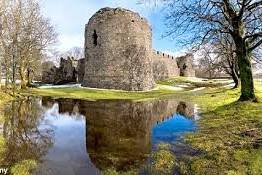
(118, 51)
(185, 64)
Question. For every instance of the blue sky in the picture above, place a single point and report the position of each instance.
(70, 16)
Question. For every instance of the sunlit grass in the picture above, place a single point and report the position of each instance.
(163, 89)
(229, 134)
(95, 94)
(163, 160)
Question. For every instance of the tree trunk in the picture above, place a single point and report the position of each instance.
(23, 83)
(7, 75)
(245, 69)
(28, 78)
(23, 78)
(234, 75)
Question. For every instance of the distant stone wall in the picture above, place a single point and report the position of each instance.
(80, 70)
(65, 73)
(118, 51)
(185, 63)
(48, 72)
(164, 66)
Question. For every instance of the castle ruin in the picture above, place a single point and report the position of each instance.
(118, 51)
(65, 73)
(119, 54)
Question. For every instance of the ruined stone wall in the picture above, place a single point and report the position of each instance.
(48, 72)
(118, 51)
(80, 70)
(185, 63)
(164, 66)
(65, 73)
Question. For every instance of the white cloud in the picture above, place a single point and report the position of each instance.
(69, 41)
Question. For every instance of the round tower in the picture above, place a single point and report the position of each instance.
(118, 51)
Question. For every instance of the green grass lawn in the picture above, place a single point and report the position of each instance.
(95, 94)
(229, 136)
(163, 89)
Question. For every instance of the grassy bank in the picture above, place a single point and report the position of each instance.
(3, 99)
(163, 89)
(229, 137)
(96, 94)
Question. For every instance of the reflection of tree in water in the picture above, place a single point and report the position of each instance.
(23, 137)
(65, 106)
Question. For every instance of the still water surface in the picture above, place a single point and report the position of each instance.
(76, 137)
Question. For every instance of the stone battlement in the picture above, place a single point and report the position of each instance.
(167, 66)
(164, 55)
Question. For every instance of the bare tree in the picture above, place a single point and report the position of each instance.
(8, 39)
(208, 64)
(75, 52)
(201, 21)
(225, 50)
(26, 34)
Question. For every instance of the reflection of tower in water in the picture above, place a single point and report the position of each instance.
(118, 132)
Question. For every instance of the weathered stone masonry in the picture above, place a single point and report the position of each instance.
(65, 73)
(167, 66)
(164, 66)
(80, 70)
(118, 50)
(185, 64)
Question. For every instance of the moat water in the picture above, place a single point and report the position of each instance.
(76, 137)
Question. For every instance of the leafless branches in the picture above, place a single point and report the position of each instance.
(197, 22)
(25, 35)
